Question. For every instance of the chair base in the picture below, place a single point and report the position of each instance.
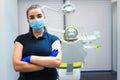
(64, 75)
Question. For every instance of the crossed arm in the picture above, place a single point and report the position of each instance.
(36, 62)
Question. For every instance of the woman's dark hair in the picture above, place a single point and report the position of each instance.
(34, 7)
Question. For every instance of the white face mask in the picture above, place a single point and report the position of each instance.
(37, 24)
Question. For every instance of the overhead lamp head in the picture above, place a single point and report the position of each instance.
(68, 8)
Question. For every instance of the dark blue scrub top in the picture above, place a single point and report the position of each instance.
(41, 47)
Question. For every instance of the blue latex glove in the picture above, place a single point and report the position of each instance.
(26, 59)
(54, 53)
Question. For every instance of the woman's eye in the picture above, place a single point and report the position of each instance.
(31, 17)
(39, 16)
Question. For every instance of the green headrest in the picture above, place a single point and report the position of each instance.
(70, 29)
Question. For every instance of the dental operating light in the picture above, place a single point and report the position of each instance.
(66, 8)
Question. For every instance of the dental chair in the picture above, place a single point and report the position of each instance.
(73, 55)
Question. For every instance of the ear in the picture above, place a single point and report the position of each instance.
(44, 17)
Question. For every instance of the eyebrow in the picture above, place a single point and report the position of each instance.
(37, 15)
(31, 15)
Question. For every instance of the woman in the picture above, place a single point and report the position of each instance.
(37, 53)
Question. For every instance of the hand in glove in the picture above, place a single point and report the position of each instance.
(26, 59)
(54, 53)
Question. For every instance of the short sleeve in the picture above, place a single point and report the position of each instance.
(19, 39)
(54, 38)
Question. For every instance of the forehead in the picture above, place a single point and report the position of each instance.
(35, 11)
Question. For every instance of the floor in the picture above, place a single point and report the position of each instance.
(101, 75)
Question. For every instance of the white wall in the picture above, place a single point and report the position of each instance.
(118, 39)
(91, 15)
(8, 32)
(94, 15)
(54, 20)
(114, 35)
